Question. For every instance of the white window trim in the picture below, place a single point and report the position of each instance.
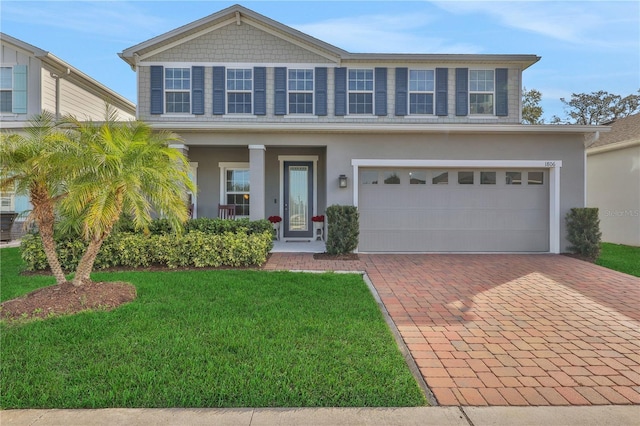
(553, 166)
(164, 86)
(409, 92)
(482, 92)
(193, 168)
(372, 91)
(227, 92)
(7, 113)
(224, 166)
(312, 92)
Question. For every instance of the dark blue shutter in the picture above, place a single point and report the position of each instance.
(260, 91)
(218, 91)
(321, 91)
(340, 91)
(157, 89)
(280, 91)
(462, 91)
(402, 82)
(197, 90)
(442, 88)
(381, 91)
(502, 96)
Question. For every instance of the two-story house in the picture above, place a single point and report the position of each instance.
(429, 147)
(33, 80)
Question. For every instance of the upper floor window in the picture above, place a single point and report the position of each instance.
(177, 83)
(239, 90)
(300, 91)
(421, 89)
(360, 87)
(6, 89)
(481, 91)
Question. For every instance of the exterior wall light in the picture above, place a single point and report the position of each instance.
(342, 181)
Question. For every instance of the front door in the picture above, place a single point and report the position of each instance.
(298, 199)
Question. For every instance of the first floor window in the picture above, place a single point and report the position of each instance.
(239, 90)
(237, 189)
(6, 88)
(481, 87)
(177, 83)
(360, 87)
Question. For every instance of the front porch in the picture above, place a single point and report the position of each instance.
(300, 246)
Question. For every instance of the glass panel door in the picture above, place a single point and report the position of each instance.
(298, 206)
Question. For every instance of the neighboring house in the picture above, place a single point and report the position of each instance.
(431, 145)
(33, 80)
(613, 181)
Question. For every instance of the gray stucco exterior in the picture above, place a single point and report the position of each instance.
(333, 144)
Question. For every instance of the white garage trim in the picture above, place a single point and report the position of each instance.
(554, 181)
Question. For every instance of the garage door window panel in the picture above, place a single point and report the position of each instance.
(487, 178)
(535, 178)
(513, 178)
(465, 178)
(392, 178)
(369, 177)
(440, 178)
(417, 178)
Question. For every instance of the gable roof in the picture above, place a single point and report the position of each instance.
(72, 73)
(238, 14)
(624, 131)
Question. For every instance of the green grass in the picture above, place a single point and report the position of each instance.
(207, 339)
(620, 258)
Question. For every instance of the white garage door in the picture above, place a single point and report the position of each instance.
(453, 210)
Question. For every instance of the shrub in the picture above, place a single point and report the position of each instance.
(248, 243)
(344, 228)
(583, 232)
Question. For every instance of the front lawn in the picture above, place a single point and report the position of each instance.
(207, 339)
(620, 258)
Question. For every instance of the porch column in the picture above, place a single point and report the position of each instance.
(180, 147)
(256, 177)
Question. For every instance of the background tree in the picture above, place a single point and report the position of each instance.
(123, 167)
(598, 107)
(531, 109)
(35, 164)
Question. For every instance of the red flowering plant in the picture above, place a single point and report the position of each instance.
(275, 219)
(319, 218)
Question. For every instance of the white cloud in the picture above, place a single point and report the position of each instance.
(585, 23)
(121, 21)
(404, 33)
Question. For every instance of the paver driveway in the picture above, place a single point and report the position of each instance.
(508, 329)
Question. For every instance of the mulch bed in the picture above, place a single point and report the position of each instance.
(67, 299)
(327, 256)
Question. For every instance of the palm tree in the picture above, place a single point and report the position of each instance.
(123, 167)
(34, 162)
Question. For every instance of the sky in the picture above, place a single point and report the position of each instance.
(585, 45)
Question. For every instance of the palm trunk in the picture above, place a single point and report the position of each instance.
(85, 266)
(45, 218)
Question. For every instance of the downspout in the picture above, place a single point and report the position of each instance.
(57, 77)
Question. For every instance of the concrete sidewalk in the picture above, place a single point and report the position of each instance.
(442, 416)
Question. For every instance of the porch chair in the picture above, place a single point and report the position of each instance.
(227, 211)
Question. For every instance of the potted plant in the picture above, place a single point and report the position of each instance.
(318, 226)
(275, 222)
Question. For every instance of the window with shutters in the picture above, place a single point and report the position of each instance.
(360, 87)
(421, 91)
(239, 90)
(177, 86)
(481, 91)
(300, 85)
(6, 89)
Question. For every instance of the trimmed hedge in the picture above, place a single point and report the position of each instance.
(583, 231)
(344, 229)
(224, 243)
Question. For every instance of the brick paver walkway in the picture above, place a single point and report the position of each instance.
(508, 329)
